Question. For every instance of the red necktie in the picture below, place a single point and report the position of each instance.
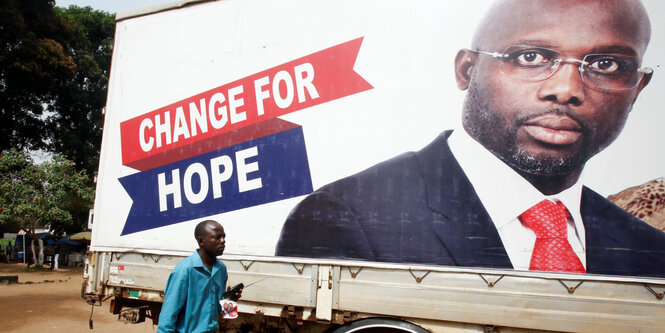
(551, 252)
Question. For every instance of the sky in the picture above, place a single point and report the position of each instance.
(112, 6)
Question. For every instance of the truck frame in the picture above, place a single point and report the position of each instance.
(316, 295)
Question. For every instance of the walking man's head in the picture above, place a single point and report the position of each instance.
(550, 83)
(211, 238)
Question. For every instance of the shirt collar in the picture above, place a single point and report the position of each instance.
(504, 193)
(198, 262)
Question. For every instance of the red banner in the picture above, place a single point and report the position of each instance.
(240, 110)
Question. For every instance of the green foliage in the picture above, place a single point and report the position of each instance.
(55, 60)
(75, 127)
(34, 196)
(31, 61)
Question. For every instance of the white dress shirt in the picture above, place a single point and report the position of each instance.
(506, 195)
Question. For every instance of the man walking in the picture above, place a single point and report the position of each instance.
(196, 285)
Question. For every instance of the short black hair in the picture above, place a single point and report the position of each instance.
(199, 231)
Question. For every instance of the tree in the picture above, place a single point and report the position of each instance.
(50, 194)
(55, 60)
(30, 61)
(75, 126)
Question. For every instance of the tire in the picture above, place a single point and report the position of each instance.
(380, 325)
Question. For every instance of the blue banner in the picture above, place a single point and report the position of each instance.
(252, 173)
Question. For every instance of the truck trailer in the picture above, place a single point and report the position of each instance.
(237, 110)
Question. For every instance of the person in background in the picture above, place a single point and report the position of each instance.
(56, 256)
(8, 251)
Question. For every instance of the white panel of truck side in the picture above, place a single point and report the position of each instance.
(407, 55)
(171, 55)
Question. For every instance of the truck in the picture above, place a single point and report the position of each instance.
(236, 110)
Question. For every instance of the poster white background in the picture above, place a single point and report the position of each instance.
(407, 56)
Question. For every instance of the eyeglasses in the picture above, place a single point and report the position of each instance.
(604, 71)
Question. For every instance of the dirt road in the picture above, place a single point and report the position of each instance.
(46, 301)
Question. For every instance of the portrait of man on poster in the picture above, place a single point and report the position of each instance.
(549, 84)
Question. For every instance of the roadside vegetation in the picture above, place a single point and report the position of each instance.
(54, 67)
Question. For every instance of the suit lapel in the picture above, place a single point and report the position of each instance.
(464, 229)
(607, 238)
(595, 238)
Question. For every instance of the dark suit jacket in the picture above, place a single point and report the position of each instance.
(421, 208)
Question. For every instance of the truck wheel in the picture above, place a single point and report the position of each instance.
(382, 325)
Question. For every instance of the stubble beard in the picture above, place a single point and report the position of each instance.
(482, 122)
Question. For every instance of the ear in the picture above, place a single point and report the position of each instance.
(464, 65)
(643, 83)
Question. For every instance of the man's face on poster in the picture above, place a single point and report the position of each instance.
(551, 125)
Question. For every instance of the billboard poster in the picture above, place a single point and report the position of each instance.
(476, 134)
